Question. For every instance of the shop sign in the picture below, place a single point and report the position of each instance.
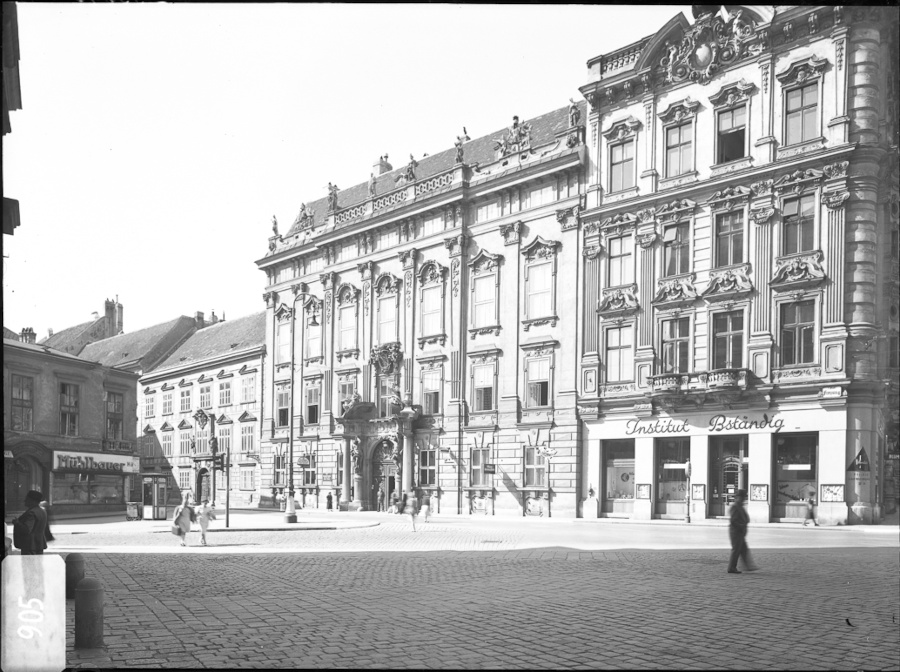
(716, 423)
(88, 462)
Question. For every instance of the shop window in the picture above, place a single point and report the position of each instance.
(167, 404)
(431, 392)
(282, 406)
(676, 340)
(87, 489)
(619, 355)
(248, 389)
(729, 238)
(313, 400)
(388, 395)
(149, 406)
(485, 297)
(798, 224)
(795, 468)
(672, 482)
(185, 400)
(731, 134)
(679, 149)
(115, 408)
(225, 393)
(278, 465)
(206, 396)
(68, 409)
(480, 457)
(248, 439)
(728, 340)
(621, 166)
(535, 468)
(801, 112)
(167, 444)
(619, 455)
(427, 467)
(483, 385)
(347, 321)
(798, 324)
(676, 249)
(620, 261)
(23, 403)
(538, 377)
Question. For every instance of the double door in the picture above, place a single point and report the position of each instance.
(728, 472)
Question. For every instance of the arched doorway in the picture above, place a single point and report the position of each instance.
(203, 488)
(23, 473)
(385, 472)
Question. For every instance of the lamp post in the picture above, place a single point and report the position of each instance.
(687, 494)
(290, 512)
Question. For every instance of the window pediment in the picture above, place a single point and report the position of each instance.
(184, 424)
(387, 283)
(540, 248)
(166, 427)
(621, 223)
(184, 382)
(222, 374)
(204, 378)
(805, 70)
(147, 391)
(484, 261)
(167, 386)
(732, 94)
(682, 110)
(149, 430)
(728, 282)
(247, 416)
(432, 272)
(798, 181)
(622, 129)
(729, 198)
(347, 293)
(283, 313)
(676, 210)
(313, 306)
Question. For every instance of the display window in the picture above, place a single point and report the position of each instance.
(619, 456)
(796, 472)
(671, 488)
(87, 489)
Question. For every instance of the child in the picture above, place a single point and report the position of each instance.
(205, 513)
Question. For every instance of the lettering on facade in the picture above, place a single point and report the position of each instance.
(84, 463)
(717, 423)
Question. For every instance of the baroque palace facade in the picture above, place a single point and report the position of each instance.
(630, 307)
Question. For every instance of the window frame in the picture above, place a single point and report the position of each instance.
(432, 406)
(692, 151)
(248, 388)
(484, 267)
(619, 348)
(628, 253)
(621, 166)
(248, 438)
(312, 388)
(206, 396)
(729, 336)
(386, 393)
(813, 331)
(664, 342)
(184, 400)
(168, 443)
(478, 457)
(167, 403)
(532, 362)
(224, 393)
(149, 405)
(428, 466)
(387, 292)
(536, 465)
(25, 403)
(282, 405)
(540, 254)
(731, 109)
(478, 403)
(69, 413)
(115, 420)
(813, 222)
(786, 91)
(283, 339)
(720, 216)
(683, 248)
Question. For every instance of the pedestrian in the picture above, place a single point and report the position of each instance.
(30, 529)
(395, 503)
(205, 513)
(329, 502)
(426, 507)
(411, 506)
(380, 498)
(184, 516)
(810, 512)
(48, 535)
(737, 531)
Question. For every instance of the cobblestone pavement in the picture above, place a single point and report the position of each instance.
(410, 601)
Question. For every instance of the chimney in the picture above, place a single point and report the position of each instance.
(27, 335)
(198, 318)
(382, 166)
(49, 332)
(110, 314)
(213, 319)
(120, 323)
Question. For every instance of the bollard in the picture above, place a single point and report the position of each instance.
(74, 573)
(88, 614)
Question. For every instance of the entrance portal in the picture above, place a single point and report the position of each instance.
(203, 489)
(22, 474)
(727, 472)
(385, 473)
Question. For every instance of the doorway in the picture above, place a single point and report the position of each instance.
(203, 489)
(727, 472)
(22, 474)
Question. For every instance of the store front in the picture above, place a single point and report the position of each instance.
(618, 477)
(728, 463)
(90, 482)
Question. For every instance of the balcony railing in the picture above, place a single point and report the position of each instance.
(703, 381)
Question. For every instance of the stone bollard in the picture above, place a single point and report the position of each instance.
(74, 573)
(88, 614)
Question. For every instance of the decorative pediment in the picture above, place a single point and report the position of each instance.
(386, 359)
(618, 224)
(224, 420)
(729, 198)
(618, 300)
(539, 346)
(540, 248)
(312, 306)
(223, 374)
(726, 283)
(431, 272)
(732, 94)
(147, 391)
(283, 313)
(803, 71)
(305, 217)
(510, 232)
(184, 424)
(484, 355)
(346, 293)
(798, 181)
(149, 430)
(167, 386)
(798, 271)
(387, 283)
(676, 210)
(184, 382)
(679, 111)
(247, 416)
(246, 369)
(677, 290)
(204, 378)
(166, 427)
(484, 261)
(622, 129)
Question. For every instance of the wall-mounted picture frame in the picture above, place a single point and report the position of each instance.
(643, 491)
(759, 493)
(832, 493)
(698, 492)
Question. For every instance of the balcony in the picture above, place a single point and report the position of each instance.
(719, 386)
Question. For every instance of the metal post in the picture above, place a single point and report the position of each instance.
(227, 483)
(290, 513)
(214, 449)
(687, 495)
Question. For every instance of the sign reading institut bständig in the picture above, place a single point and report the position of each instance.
(714, 424)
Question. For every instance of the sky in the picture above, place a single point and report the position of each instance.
(156, 141)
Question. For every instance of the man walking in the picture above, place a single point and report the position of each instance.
(30, 529)
(737, 531)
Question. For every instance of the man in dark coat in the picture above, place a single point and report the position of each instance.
(737, 530)
(30, 529)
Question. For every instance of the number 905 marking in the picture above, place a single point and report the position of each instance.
(32, 612)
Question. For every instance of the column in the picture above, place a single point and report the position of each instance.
(644, 475)
(348, 470)
(699, 476)
(759, 473)
(406, 444)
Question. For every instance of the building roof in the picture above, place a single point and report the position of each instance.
(67, 339)
(10, 334)
(219, 339)
(478, 151)
(141, 348)
(42, 349)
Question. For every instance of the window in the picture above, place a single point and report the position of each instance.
(308, 463)
(538, 287)
(483, 383)
(248, 442)
(431, 392)
(620, 272)
(115, 409)
(248, 481)
(167, 444)
(313, 393)
(186, 400)
(347, 387)
(621, 166)
(795, 469)
(278, 465)
(347, 321)
(149, 406)
(798, 218)
(225, 440)
(731, 144)
(23, 403)
(619, 454)
(167, 404)
(283, 406)
(184, 443)
(676, 342)
(619, 355)
(248, 389)
(541, 195)
(184, 479)
(283, 342)
(201, 445)
(387, 319)
(434, 224)
(679, 149)
(802, 113)
(388, 395)
(487, 211)
(206, 396)
(729, 238)
(314, 337)
(431, 311)
(538, 374)
(68, 409)
(340, 469)
(485, 310)
(728, 340)
(798, 322)
(535, 468)
(480, 457)
(672, 483)
(676, 249)
(225, 393)
(427, 467)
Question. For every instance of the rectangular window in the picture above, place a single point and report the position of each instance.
(278, 465)
(619, 456)
(282, 406)
(728, 340)
(679, 149)
(149, 406)
(535, 468)
(185, 400)
(283, 342)
(202, 442)
(248, 482)
(225, 393)
(427, 467)
(672, 483)
(23, 403)
(388, 395)
(313, 393)
(619, 355)
(798, 323)
(676, 249)
(729, 238)
(431, 392)
(802, 113)
(389, 237)
(167, 404)
(313, 337)
(347, 321)
(68, 409)
(487, 211)
(340, 469)
(248, 441)
(309, 469)
(538, 382)
(676, 345)
(115, 410)
(621, 166)
(167, 444)
(485, 310)
(539, 284)
(431, 311)
(620, 268)
(347, 388)
(184, 479)
(432, 225)
(798, 219)
(225, 440)
(731, 138)
(480, 457)
(796, 476)
(206, 396)
(184, 443)
(248, 389)
(387, 319)
(483, 382)
(541, 195)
